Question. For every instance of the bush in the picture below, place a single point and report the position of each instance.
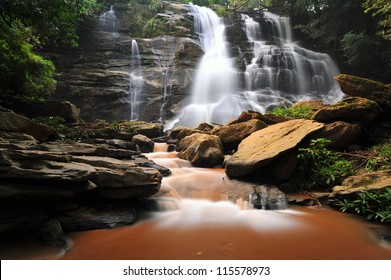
(373, 205)
(297, 112)
(380, 157)
(320, 168)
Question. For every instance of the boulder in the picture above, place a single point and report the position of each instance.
(231, 135)
(314, 104)
(11, 122)
(361, 87)
(201, 150)
(144, 143)
(352, 109)
(265, 145)
(52, 234)
(339, 133)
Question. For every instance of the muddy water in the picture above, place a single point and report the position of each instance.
(204, 215)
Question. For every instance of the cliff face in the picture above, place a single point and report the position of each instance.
(96, 76)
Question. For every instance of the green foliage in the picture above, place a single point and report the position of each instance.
(375, 205)
(382, 10)
(380, 157)
(22, 70)
(320, 167)
(297, 112)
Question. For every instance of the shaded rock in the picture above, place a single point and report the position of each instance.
(21, 219)
(281, 169)
(231, 135)
(352, 109)
(201, 150)
(339, 133)
(145, 144)
(36, 190)
(116, 143)
(144, 162)
(48, 108)
(361, 87)
(363, 183)
(11, 122)
(246, 116)
(263, 146)
(206, 127)
(97, 217)
(52, 234)
(187, 132)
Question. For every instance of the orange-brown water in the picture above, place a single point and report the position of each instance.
(212, 219)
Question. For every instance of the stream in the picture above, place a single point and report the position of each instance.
(201, 214)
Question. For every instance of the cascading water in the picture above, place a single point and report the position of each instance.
(136, 80)
(108, 21)
(216, 78)
(281, 72)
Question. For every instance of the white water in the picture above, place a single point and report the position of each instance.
(135, 81)
(212, 97)
(108, 21)
(281, 72)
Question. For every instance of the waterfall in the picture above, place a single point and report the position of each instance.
(281, 72)
(108, 21)
(212, 98)
(136, 80)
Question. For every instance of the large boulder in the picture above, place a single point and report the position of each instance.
(201, 150)
(361, 87)
(352, 109)
(231, 135)
(11, 122)
(265, 145)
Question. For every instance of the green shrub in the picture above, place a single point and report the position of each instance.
(56, 122)
(380, 157)
(320, 168)
(375, 205)
(297, 112)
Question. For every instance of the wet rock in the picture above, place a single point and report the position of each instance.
(201, 150)
(265, 145)
(361, 87)
(339, 133)
(268, 198)
(52, 234)
(352, 109)
(11, 122)
(231, 135)
(97, 217)
(144, 143)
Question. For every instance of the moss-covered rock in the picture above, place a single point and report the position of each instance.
(373, 90)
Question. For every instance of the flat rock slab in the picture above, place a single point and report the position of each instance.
(264, 145)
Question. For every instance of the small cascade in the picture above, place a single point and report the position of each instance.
(108, 22)
(136, 80)
(216, 78)
(164, 50)
(281, 72)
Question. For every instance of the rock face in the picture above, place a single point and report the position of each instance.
(263, 146)
(352, 109)
(201, 150)
(96, 76)
(361, 87)
(48, 108)
(11, 122)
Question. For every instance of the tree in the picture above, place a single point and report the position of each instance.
(382, 10)
(26, 26)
